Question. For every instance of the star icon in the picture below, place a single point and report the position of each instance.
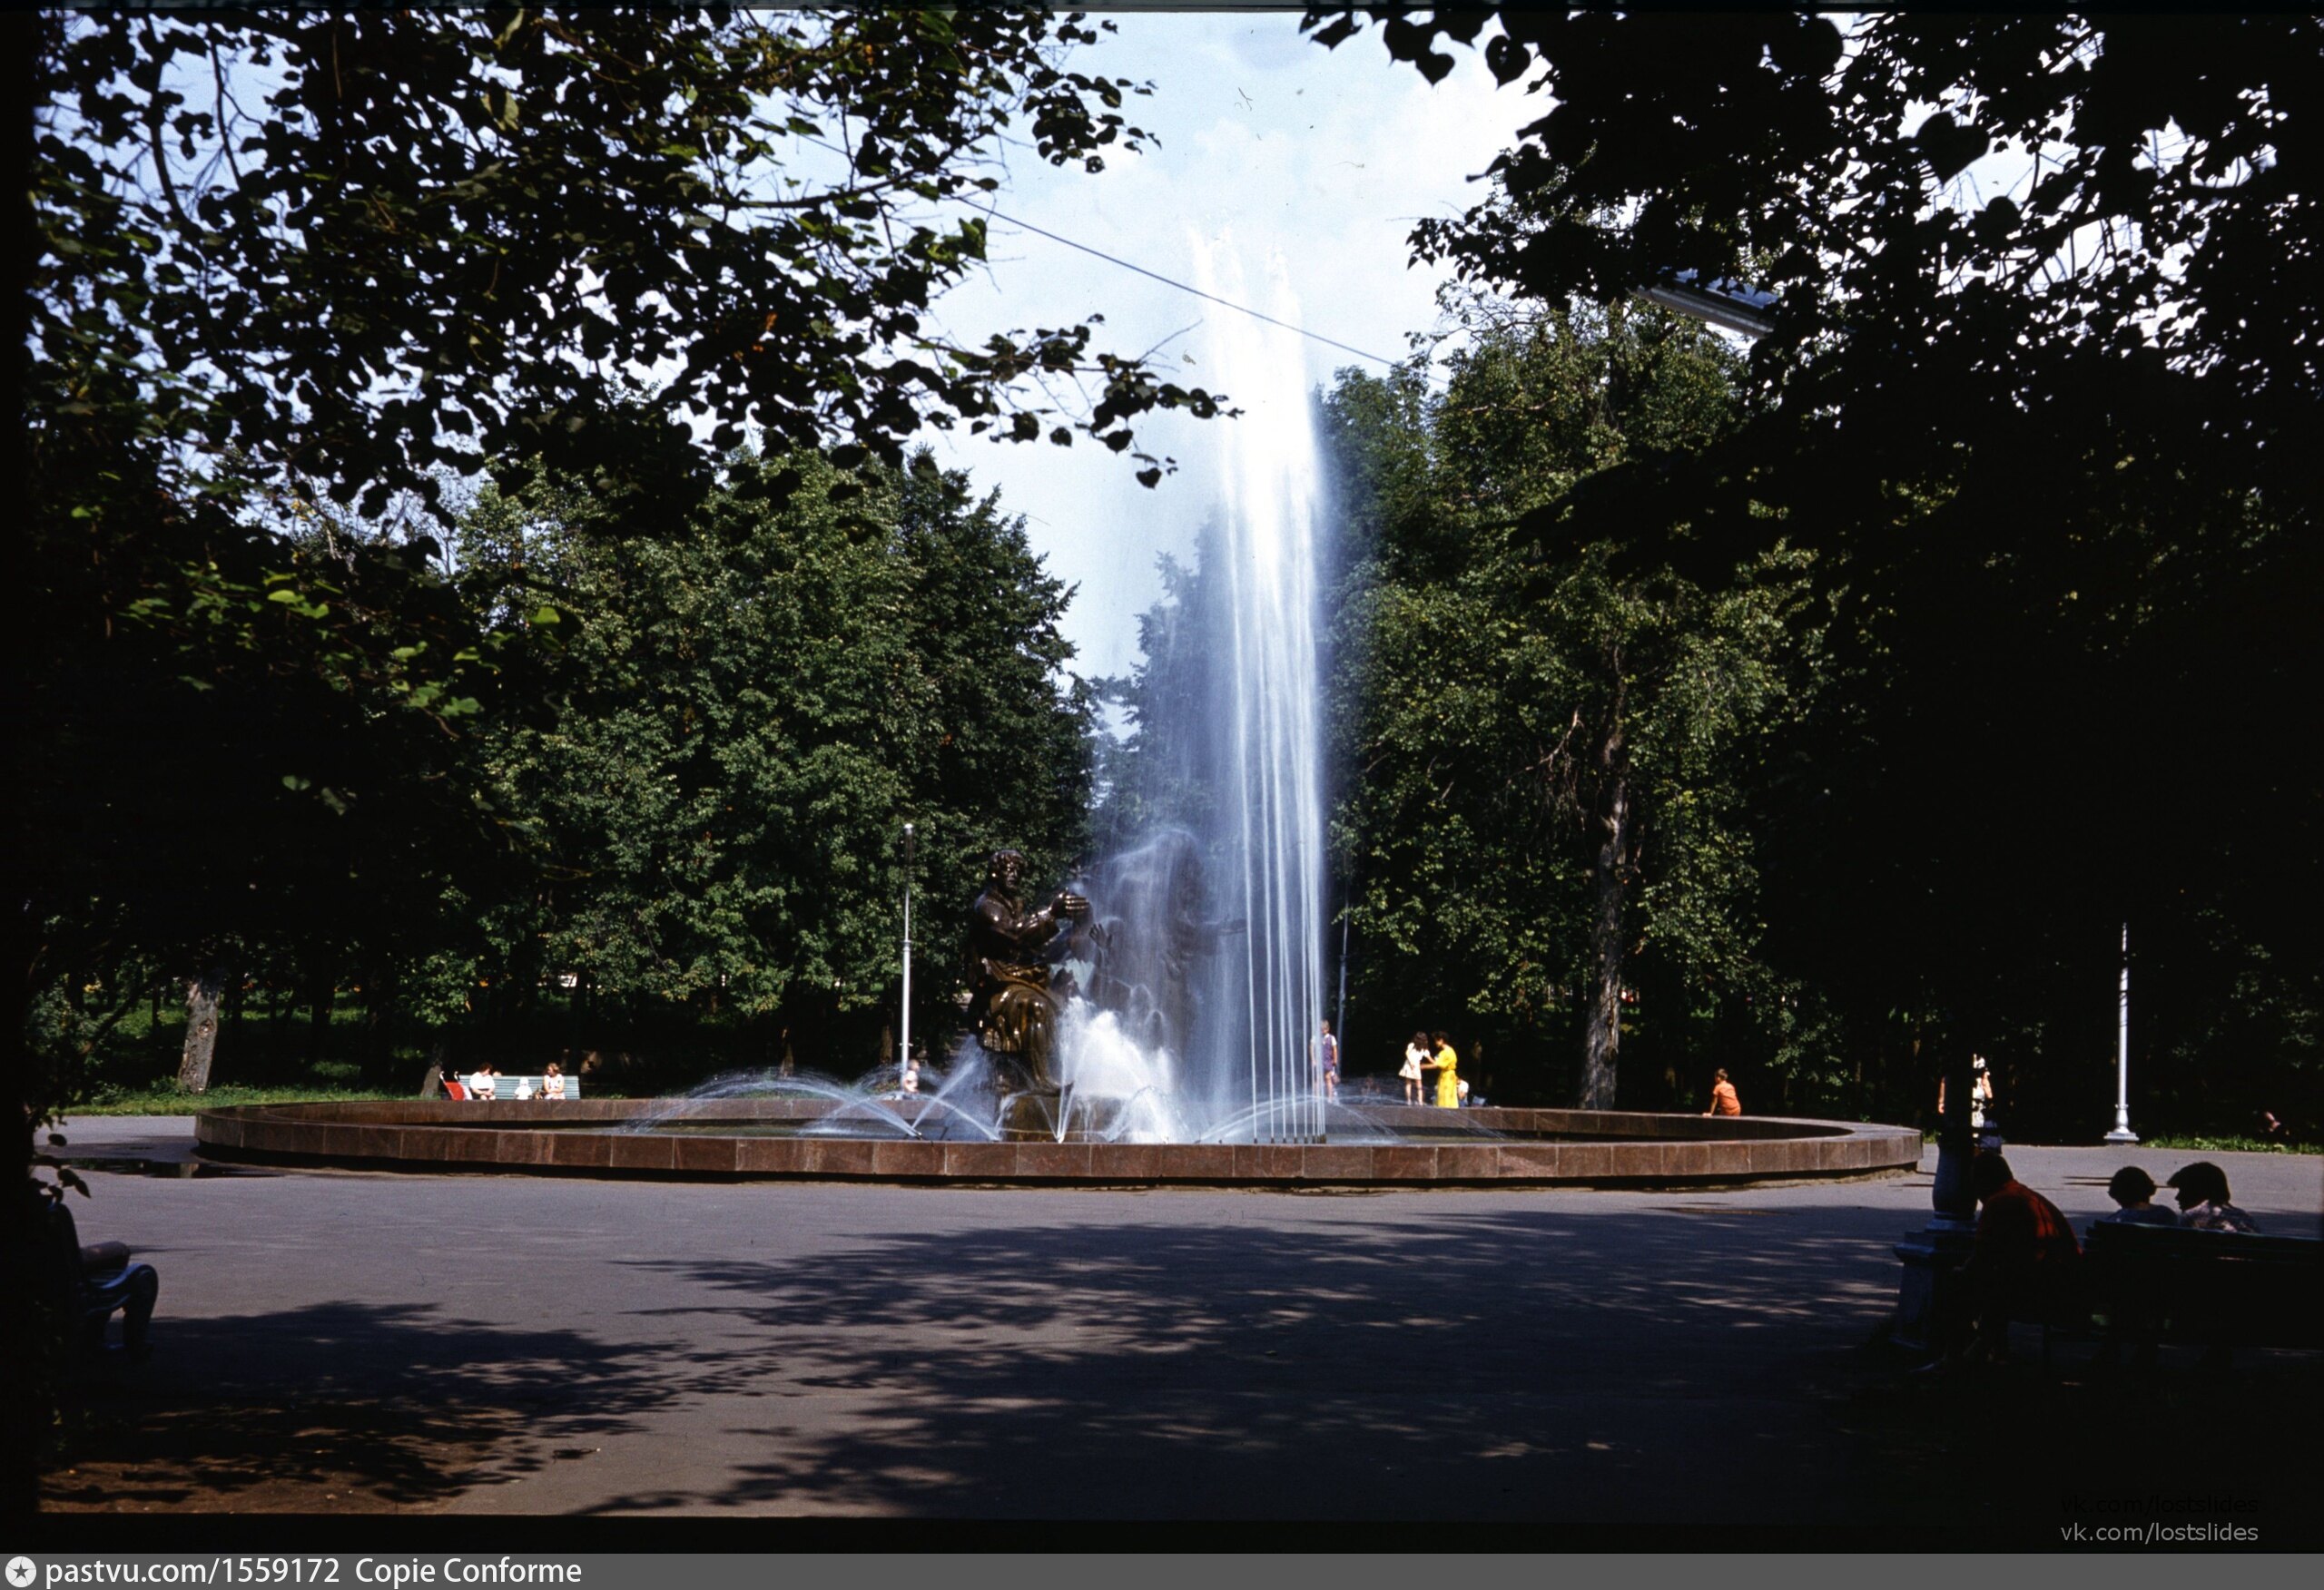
(21, 1572)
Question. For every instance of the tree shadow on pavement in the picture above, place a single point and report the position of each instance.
(338, 1407)
(1076, 1355)
(1437, 1363)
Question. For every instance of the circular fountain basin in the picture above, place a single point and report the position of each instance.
(773, 1139)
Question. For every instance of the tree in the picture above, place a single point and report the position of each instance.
(2047, 444)
(1550, 744)
(751, 703)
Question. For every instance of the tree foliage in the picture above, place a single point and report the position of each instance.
(751, 705)
(2047, 445)
(357, 248)
(1550, 750)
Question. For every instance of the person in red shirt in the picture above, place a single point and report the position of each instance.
(1723, 1098)
(2022, 1259)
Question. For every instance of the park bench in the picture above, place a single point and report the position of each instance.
(2217, 1290)
(509, 1087)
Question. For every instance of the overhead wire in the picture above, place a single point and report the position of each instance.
(1169, 282)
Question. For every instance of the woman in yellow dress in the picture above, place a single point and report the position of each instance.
(1448, 1074)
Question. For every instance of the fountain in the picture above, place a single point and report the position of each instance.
(1152, 1023)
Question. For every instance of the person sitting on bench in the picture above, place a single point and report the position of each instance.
(2202, 1195)
(86, 1286)
(2134, 1189)
(2020, 1266)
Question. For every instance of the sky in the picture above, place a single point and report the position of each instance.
(1297, 159)
(1311, 162)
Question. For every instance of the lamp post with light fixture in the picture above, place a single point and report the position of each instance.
(903, 1056)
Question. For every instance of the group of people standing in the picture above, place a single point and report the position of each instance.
(1434, 1052)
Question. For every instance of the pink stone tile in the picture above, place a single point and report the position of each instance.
(380, 1143)
(838, 1157)
(1126, 1162)
(1196, 1162)
(1412, 1162)
(1798, 1156)
(1531, 1159)
(471, 1145)
(705, 1155)
(908, 1159)
(439, 1144)
(769, 1156)
(532, 1148)
(642, 1151)
(1335, 1162)
(1687, 1159)
(1462, 1162)
(1589, 1160)
(1266, 1162)
(980, 1161)
(1053, 1160)
(583, 1150)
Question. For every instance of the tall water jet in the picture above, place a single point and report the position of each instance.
(1272, 842)
(1211, 923)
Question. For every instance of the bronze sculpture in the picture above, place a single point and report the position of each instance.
(1009, 951)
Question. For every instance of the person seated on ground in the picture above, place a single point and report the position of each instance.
(2022, 1261)
(2272, 1129)
(2203, 1206)
(1724, 1100)
(553, 1082)
(2134, 1189)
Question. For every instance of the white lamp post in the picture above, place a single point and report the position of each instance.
(903, 1059)
(2122, 1133)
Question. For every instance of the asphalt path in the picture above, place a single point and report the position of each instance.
(496, 1343)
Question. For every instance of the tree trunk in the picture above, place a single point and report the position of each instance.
(325, 996)
(1609, 871)
(1604, 1037)
(201, 994)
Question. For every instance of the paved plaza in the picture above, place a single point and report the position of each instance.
(491, 1344)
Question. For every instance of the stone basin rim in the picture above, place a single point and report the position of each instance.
(1630, 1148)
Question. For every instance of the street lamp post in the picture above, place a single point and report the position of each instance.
(2122, 1133)
(903, 1056)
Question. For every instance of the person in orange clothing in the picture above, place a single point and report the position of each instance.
(1723, 1099)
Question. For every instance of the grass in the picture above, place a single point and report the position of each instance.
(166, 1098)
(2225, 1142)
(2191, 1142)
